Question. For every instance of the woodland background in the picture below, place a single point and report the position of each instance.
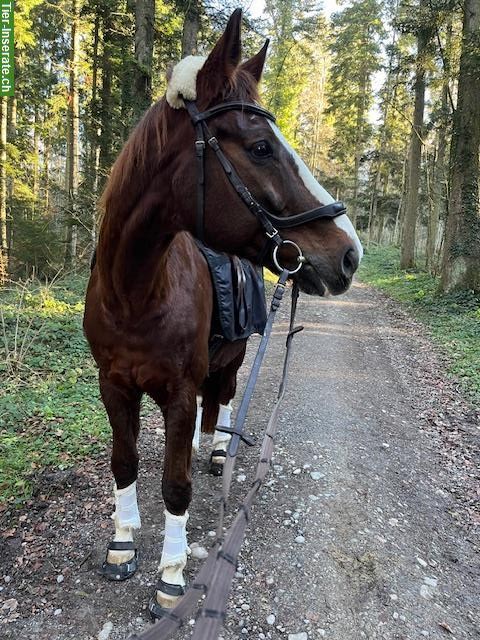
(382, 99)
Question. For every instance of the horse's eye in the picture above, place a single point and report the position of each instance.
(262, 149)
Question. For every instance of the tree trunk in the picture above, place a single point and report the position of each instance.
(407, 257)
(191, 26)
(359, 141)
(46, 175)
(438, 188)
(3, 189)
(381, 215)
(401, 204)
(105, 110)
(93, 111)
(461, 257)
(387, 99)
(36, 159)
(144, 29)
(72, 141)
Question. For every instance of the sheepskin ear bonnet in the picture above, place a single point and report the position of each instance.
(183, 81)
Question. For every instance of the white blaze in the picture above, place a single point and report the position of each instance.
(316, 189)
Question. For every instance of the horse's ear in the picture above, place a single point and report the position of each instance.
(256, 63)
(225, 56)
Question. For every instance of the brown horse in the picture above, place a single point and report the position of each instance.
(149, 301)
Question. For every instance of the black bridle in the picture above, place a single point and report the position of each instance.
(269, 221)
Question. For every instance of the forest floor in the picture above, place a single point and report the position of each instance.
(367, 526)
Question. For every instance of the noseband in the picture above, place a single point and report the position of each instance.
(269, 221)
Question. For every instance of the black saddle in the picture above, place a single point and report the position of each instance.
(240, 307)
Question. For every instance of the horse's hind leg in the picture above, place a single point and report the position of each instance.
(198, 426)
(123, 409)
(219, 389)
(177, 493)
(221, 439)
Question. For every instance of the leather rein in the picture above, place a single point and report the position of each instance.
(270, 222)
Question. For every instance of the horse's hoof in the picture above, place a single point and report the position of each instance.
(169, 596)
(123, 571)
(217, 461)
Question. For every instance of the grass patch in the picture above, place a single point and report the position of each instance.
(50, 411)
(452, 319)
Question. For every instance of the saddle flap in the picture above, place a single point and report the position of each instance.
(239, 295)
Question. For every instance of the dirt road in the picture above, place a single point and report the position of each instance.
(364, 530)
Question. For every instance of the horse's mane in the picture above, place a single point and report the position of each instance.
(138, 161)
(133, 169)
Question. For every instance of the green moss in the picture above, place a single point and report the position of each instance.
(453, 319)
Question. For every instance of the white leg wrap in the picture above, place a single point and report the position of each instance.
(126, 517)
(126, 513)
(224, 420)
(175, 548)
(198, 425)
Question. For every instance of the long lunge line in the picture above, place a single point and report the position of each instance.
(215, 576)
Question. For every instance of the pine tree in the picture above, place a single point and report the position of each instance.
(461, 260)
(144, 30)
(292, 24)
(72, 171)
(355, 57)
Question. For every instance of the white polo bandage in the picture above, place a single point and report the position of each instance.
(175, 546)
(126, 513)
(198, 425)
(223, 420)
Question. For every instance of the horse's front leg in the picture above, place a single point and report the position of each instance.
(177, 493)
(123, 409)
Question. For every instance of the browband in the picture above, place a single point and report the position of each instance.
(230, 106)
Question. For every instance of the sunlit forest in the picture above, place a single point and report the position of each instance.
(380, 98)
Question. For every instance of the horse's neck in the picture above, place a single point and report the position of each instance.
(131, 246)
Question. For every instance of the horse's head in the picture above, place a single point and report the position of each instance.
(265, 163)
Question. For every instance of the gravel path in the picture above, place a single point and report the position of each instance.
(365, 529)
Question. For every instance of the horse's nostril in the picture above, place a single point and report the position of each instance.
(350, 262)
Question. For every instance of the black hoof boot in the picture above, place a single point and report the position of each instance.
(123, 571)
(175, 591)
(215, 466)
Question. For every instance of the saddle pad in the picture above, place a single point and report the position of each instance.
(240, 308)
